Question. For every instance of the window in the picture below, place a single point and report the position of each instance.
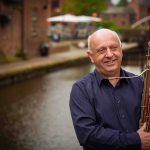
(34, 22)
(55, 4)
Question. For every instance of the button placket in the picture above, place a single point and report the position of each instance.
(117, 99)
(121, 111)
(122, 116)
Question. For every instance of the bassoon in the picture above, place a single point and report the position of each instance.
(145, 116)
(146, 94)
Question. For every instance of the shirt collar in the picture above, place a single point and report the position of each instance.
(123, 74)
(100, 78)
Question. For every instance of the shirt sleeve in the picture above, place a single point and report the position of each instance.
(91, 133)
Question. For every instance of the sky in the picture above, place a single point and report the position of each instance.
(116, 1)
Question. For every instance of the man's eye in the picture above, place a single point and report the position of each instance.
(101, 50)
(114, 47)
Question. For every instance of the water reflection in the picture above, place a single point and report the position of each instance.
(35, 114)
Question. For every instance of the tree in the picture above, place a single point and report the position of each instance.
(84, 7)
(123, 3)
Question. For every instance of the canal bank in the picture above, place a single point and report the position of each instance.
(17, 71)
(35, 113)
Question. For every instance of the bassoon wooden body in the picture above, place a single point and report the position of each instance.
(146, 96)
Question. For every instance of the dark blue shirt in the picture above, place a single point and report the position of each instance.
(107, 117)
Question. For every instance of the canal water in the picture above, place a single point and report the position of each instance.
(34, 114)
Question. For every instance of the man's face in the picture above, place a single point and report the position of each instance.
(106, 54)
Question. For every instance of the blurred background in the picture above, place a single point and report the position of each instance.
(43, 47)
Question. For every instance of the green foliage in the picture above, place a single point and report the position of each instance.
(84, 7)
(106, 24)
(2, 57)
(20, 54)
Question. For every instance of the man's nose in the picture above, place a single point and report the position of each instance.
(109, 53)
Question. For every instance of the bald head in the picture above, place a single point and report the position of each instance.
(101, 33)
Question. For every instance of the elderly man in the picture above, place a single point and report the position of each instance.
(105, 105)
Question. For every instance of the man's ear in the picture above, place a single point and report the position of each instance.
(90, 55)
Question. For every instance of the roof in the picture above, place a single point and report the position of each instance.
(118, 10)
(144, 2)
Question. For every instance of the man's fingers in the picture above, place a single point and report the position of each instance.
(143, 127)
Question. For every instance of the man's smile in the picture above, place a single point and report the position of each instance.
(110, 62)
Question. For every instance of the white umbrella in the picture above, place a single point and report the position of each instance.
(73, 18)
(63, 18)
(88, 19)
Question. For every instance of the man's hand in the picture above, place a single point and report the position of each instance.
(145, 138)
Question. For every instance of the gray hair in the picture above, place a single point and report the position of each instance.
(103, 29)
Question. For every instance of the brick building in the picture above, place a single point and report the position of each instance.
(137, 9)
(141, 8)
(122, 16)
(23, 26)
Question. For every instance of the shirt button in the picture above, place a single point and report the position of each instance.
(118, 101)
(122, 116)
(116, 97)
